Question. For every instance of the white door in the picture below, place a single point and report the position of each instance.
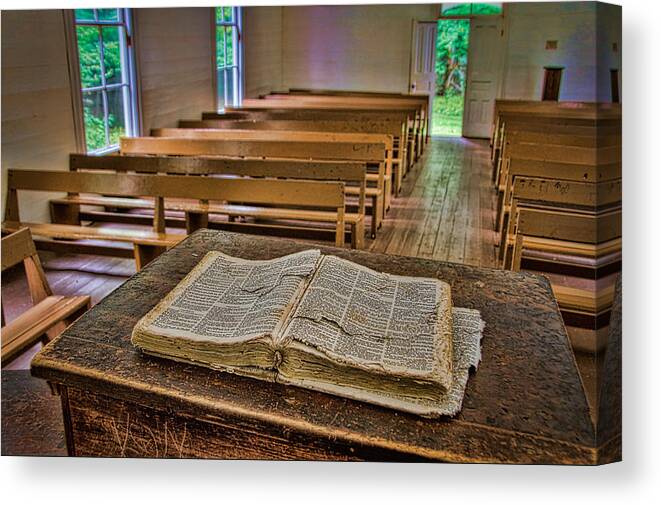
(422, 75)
(484, 67)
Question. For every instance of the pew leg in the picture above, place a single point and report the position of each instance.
(196, 220)
(507, 256)
(378, 203)
(516, 253)
(388, 194)
(503, 235)
(374, 222)
(398, 178)
(63, 213)
(358, 235)
(144, 253)
(494, 172)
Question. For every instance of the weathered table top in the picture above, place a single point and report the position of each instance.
(525, 403)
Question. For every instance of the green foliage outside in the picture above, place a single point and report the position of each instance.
(224, 37)
(447, 115)
(89, 54)
(480, 9)
(451, 61)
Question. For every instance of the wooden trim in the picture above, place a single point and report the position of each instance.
(290, 135)
(74, 79)
(253, 148)
(16, 247)
(567, 192)
(387, 127)
(349, 171)
(269, 191)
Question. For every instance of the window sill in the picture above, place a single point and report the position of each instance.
(104, 150)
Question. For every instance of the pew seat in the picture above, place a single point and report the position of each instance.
(147, 244)
(49, 314)
(30, 327)
(189, 206)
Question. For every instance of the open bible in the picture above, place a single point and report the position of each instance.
(323, 323)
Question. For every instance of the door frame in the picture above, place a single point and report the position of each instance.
(470, 17)
(499, 77)
(432, 94)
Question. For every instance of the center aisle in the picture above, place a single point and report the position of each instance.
(446, 209)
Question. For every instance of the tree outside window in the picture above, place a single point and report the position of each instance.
(228, 56)
(103, 41)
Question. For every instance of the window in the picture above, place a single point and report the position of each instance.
(471, 9)
(552, 78)
(228, 56)
(107, 76)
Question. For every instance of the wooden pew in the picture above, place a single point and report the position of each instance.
(351, 173)
(415, 114)
(423, 99)
(49, 314)
(403, 118)
(384, 127)
(561, 157)
(548, 133)
(422, 103)
(260, 198)
(382, 177)
(259, 149)
(552, 114)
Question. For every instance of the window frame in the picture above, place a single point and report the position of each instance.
(129, 78)
(237, 58)
(471, 15)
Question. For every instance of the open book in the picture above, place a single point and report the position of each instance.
(323, 323)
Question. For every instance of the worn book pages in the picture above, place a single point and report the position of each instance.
(468, 327)
(323, 323)
(227, 311)
(376, 327)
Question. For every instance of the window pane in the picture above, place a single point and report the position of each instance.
(85, 14)
(108, 14)
(230, 46)
(462, 9)
(95, 133)
(89, 55)
(487, 9)
(228, 13)
(220, 47)
(111, 54)
(230, 85)
(219, 14)
(220, 78)
(116, 123)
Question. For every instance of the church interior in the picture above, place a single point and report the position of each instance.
(478, 139)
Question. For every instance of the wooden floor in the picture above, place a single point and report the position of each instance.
(446, 209)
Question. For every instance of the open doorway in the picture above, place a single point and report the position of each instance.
(451, 64)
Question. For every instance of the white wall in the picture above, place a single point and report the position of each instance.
(175, 73)
(175, 58)
(574, 26)
(37, 113)
(262, 50)
(353, 47)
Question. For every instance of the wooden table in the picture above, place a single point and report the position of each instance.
(525, 404)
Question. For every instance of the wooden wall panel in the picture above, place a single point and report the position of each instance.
(37, 115)
(174, 49)
(580, 29)
(354, 47)
(262, 50)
